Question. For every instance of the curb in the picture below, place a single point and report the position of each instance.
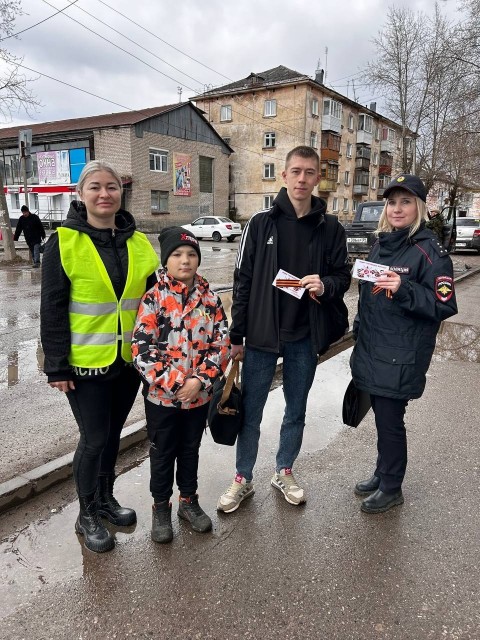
(32, 483)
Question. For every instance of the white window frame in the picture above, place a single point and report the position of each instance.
(226, 113)
(345, 204)
(350, 122)
(16, 201)
(365, 122)
(335, 204)
(158, 192)
(270, 108)
(348, 152)
(346, 180)
(375, 158)
(162, 156)
(267, 202)
(374, 182)
(269, 171)
(314, 139)
(269, 140)
(314, 107)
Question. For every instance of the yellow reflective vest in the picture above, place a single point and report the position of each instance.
(95, 313)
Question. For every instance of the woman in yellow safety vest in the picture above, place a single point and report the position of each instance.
(95, 270)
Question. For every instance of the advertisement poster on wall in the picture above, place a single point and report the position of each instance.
(182, 164)
(53, 167)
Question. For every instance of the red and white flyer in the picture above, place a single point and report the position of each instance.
(280, 281)
(364, 270)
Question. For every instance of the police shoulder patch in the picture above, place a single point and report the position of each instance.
(444, 288)
(438, 247)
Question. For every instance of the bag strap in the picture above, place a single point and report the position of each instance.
(232, 376)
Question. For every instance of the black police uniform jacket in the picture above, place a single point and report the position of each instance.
(255, 308)
(395, 337)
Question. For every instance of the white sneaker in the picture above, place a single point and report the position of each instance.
(286, 483)
(233, 496)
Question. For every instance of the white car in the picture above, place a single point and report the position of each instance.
(214, 227)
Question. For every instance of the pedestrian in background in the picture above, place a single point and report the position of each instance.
(180, 346)
(396, 327)
(33, 230)
(95, 270)
(297, 236)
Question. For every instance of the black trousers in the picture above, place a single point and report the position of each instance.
(391, 442)
(101, 405)
(174, 434)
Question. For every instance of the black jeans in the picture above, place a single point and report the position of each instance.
(391, 442)
(101, 406)
(174, 434)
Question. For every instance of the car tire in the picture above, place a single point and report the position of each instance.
(216, 236)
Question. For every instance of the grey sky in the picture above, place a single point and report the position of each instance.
(232, 38)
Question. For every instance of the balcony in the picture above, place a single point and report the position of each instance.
(387, 146)
(327, 185)
(331, 123)
(380, 191)
(362, 163)
(364, 137)
(360, 189)
(363, 152)
(330, 154)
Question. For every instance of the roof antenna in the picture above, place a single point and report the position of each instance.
(179, 91)
(326, 61)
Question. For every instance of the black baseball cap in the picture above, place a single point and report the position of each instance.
(409, 183)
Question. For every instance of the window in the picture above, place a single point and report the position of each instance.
(225, 113)
(377, 133)
(329, 171)
(350, 122)
(33, 200)
(15, 201)
(365, 123)
(331, 141)
(349, 150)
(313, 139)
(332, 108)
(270, 108)
(347, 178)
(388, 134)
(267, 202)
(375, 157)
(345, 204)
(158, 160)
(205, 168)
(159, 201)
(269, 140)
(374, 182)
(269, 171)
(314, 107)
(335, 204)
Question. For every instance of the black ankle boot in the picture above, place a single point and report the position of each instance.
(190, 510)
(365, 487)
(89, 525)
(162, 522)
(108, 506)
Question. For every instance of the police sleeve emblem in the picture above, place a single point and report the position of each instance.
(444, 288)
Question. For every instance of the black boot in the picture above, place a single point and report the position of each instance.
(108, 506)
(365, 487)
(190, 510)
(162, 522)
(379, 502)
(89, 525)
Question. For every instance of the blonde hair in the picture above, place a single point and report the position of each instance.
(422, 215)
(98, 165)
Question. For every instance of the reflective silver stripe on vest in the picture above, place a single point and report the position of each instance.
(92, 308)
(130, 304)
(127, 336)
(90, 339)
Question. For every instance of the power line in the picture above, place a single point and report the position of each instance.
(14, 35)
(164, 41)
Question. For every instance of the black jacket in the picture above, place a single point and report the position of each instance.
(55, 297)
(32, 228)
(255, 307)
(395, 338)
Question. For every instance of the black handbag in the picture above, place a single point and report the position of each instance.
(356, 404)
(225, 413)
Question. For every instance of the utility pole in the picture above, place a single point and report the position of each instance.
(24, 145)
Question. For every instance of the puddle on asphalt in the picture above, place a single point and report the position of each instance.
(22, 364)
(456, 341)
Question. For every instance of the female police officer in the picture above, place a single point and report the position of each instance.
(395, 329)
(95, 271)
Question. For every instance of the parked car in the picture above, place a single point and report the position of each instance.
(468, 234)
(214, 227)
(360, 232)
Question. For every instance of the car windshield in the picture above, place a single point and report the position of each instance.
(470, 222)
(371, 214)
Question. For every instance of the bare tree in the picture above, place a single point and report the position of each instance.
(15, 95)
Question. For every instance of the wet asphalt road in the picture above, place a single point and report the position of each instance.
(324, 571)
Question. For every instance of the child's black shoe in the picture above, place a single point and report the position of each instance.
(190, 510)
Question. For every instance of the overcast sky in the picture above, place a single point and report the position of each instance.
(225, 40)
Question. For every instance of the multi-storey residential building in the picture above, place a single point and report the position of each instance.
(174, 164)
(266, 114)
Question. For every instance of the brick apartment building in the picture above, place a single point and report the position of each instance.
(174, 165)
(266, 114)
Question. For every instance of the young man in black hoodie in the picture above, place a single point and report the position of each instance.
(292, 236)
